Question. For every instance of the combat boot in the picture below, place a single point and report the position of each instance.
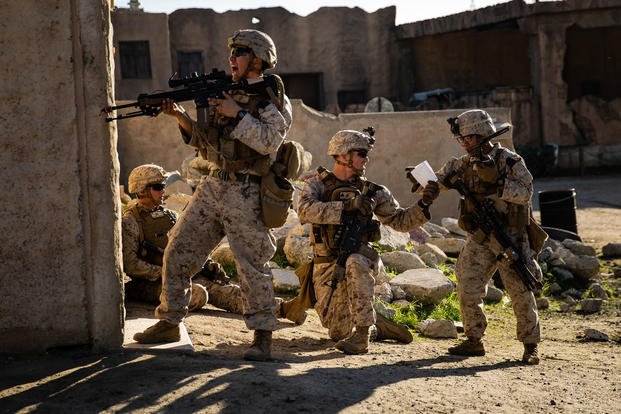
(387, 329)
(469, 347)
(531, 356)
(261, 348)
(356, 343)
(162, 331)
(198, 298)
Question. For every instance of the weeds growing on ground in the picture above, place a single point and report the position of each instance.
(416, 312)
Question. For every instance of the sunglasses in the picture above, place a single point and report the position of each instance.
(362, 153)
(238, 51)
(157, 187)
(465, 138)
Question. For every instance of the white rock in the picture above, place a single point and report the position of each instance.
(451, 225)
(179, 187)
(579, 248)
(285, 280)
(435, 230)
(432, 248)
(393, 239)
(280, 233)
(397, 293)
(297, 245)
(450, 246)
(424, 285)
(434, 328)
(384, 292)
(494, 295)
(177, 202)
(429, 259)
(402, 261)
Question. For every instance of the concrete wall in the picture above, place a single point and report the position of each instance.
(403, 139)
(151, 140)
(138, 26)
(60, 281)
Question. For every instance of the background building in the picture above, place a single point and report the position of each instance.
(555, 64)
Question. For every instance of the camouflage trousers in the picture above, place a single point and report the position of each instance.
(475, 267)
(148, 291)
(217, 209)
(227, 297)
(352, 301)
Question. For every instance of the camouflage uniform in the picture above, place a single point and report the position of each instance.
(145, 268)
(477, 261)
(352, 301)
(227, 203)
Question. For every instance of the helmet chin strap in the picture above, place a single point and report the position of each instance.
(250, 67)
(149, 196)
(350, 164)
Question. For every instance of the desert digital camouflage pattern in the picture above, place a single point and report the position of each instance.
(133, 265)
(475, 122)
(347, 140)
(477, 261)
(144, 175)
(261, 44)
(227, 297)
(220, 208)
(229, 208)
(146, 285)
(352, 301)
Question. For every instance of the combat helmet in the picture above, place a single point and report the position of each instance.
(261, 44)
(347, 140)
(143, 175)
(473, 122)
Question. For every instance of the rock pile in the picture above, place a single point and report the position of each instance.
(572, 269)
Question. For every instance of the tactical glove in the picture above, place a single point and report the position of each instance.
(430, 192)
(360, 203)
(486, 170)
(214, 272)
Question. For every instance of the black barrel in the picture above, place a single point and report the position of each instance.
(558, 209)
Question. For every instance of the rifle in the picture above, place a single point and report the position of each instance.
(193, 87)
(490, 223)
(348, 238)
(152, 252)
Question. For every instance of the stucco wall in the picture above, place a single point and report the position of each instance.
(59, 229)
(352, 48)
(138, 26)
(403, 138)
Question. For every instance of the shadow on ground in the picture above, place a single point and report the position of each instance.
(129, 382)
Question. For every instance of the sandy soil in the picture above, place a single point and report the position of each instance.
(309, 375)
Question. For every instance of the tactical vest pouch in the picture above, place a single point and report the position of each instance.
(329, 231)
(276, 199)
(373, 231)
(518, 216)
(466, 220)
(536, 235)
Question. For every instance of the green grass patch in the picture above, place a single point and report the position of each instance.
(281, 260)
(416, 312)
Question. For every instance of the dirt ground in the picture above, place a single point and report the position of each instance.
(309, 375)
